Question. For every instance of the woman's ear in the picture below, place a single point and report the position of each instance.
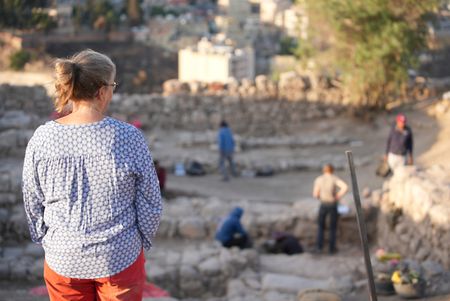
(101, 93)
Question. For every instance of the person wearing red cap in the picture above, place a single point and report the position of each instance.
(399, 146)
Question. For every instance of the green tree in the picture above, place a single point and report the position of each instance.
(100, 15)
(372, 43)
(18, 59)
(25, 14)
(288, 46)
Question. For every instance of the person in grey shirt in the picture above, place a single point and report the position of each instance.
(328, 189)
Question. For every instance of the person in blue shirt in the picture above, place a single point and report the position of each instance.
(226, 150)
(230, 232)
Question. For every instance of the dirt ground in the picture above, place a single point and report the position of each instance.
(430, 143)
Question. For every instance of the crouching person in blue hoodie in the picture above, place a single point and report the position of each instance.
(230, 232)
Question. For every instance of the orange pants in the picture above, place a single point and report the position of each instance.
(127, 285)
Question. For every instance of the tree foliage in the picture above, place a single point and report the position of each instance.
(100, 15)
(25, 14)
(288, 46)
(371, 43)
(18, 59)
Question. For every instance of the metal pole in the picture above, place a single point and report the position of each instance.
(362, 228)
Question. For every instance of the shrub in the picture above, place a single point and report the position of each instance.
(18, 59)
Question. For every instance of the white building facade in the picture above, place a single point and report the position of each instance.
(209, 63)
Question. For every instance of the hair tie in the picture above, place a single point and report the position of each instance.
(75, 68)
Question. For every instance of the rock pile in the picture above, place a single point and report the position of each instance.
(197, 271)
(291, 86)
(414, 215)
(197, 218)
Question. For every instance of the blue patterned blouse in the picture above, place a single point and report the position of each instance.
(91, 196)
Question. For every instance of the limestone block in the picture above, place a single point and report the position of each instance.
(23, 136)
(15, 119)
(402, 228)
(18, 223)
(277, 296)
(252, 283)
(420, 204)
(4, 215)
(192, 257)
(190, 282)
(236, 288)
(19, 268)
(440, 216)
(251, 296)
(414, 243)
(210, 267)
(167, 227)
(342, 284)
(8, 139)
(423, 252)
(318, 295)
(5, 182)
(432, 268)
(188, 272)
(307, 209)
(36, 269)
(192, 227)
(289, 284)
(12, 253)
(172, 258)
(165, 277)
(214, 207)
(7, 199)
(34, 250)
(4, 269)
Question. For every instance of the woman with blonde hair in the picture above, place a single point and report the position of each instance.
(90, 189)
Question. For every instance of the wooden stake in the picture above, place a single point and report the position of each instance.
(362, 227)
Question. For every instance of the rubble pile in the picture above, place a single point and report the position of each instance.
(414, 217)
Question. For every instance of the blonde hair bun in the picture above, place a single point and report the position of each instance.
(81, 76)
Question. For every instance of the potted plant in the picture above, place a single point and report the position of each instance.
(386, 264)
(383, 284)
(408, 282)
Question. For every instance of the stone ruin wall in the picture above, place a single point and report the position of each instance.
(265, 117)
(414, 217)
(197, 219)
(23, 109)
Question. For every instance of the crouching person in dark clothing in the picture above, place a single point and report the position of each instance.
(282, 243)
(287, 244)
(230, 232)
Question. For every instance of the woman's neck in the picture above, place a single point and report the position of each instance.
(83, 112)
(89, 107)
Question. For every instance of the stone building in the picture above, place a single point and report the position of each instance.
(238, 10)
(292, 19)
(209, 62)
(270, 9)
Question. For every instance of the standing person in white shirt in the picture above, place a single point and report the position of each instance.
(328, 189)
